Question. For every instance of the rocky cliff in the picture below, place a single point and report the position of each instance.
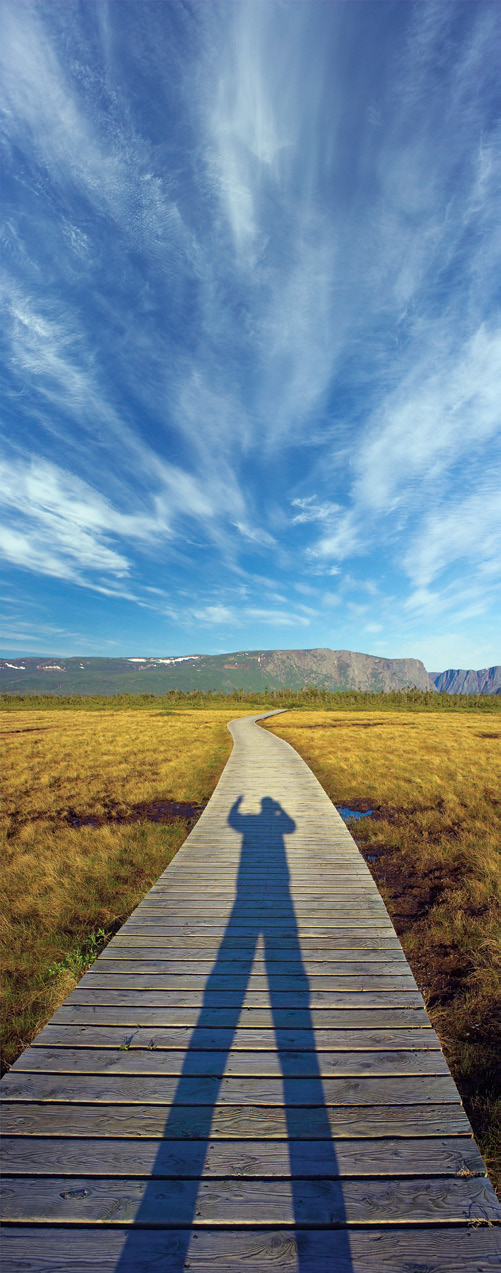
(461, 681)
(343, 670)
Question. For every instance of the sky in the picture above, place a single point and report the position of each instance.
(251, 327)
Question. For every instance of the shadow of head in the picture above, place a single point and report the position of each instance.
(269, 805)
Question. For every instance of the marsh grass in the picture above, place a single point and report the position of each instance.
(432, 844)
(66, 888)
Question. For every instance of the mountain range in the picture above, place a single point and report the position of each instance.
(253, 670)
(460, 681)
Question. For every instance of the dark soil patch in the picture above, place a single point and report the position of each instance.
(358, 806)
(353, 724)
(352, 815)
(411, 895)
(163, 811)
(398, 816)
(32, 729)
(444, 976)
(395, 815)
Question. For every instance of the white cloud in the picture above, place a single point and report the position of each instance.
(465, 530)
(215, 614)
(308, 610)
(63, 527)
(348, 539)
(278, 617)
(446, 408)
(256, 536)
(314, 510)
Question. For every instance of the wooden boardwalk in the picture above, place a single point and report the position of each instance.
(246, 1079)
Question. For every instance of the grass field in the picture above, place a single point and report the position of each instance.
(80, 849)
(432, 844)
(65, 886)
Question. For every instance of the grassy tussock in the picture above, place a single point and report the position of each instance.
(60, 884)
(433, 847)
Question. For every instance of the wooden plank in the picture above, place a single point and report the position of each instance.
(346, 962)
(233, 1121)
(318, 928)
(254, 1018)
(116, 1037)
(249, 910)
(252, 998)
(270, 1064)
(448, 1248)
(212, 895)
(295, 889)
(202, 969)
(332, 873)
(428, 1156)
(143, 1089)
(122, 978)
(327, 1203)
(343, 942)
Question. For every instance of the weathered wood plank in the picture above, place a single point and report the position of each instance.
(236, 1202)
(143, 1089)
(304, 1041)
(314, 926)
(149, 1060)
(148, 960)
(348, 942)
(355, 886)
(274, 899)
(333, 874)
(428, 1156)
(447, 1249)
(123, 978)
(282, 999)
(233, 1121)
(368, 906)
(254, 1018)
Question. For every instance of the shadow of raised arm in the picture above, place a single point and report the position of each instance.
(235, 818)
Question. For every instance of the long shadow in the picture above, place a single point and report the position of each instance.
(271, 917)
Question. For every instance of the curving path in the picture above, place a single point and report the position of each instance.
(247, 1077)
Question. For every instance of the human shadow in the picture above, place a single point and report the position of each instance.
(263, 908)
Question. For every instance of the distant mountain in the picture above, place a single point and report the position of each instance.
(459, 681)
(248, 670)
(342, 670)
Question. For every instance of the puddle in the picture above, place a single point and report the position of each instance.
(166, 811)
(348, 814)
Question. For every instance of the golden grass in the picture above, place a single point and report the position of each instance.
(434, 782)
(60, 884)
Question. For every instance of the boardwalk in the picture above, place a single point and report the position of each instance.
(246, 1079)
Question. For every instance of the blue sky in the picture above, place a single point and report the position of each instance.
(252, 344)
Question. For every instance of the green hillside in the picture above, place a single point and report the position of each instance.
(248, 670)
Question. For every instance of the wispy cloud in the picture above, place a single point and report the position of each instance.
(466, 530)
(61, 526)
(314, 510)
(279, 618)
(230, 616)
